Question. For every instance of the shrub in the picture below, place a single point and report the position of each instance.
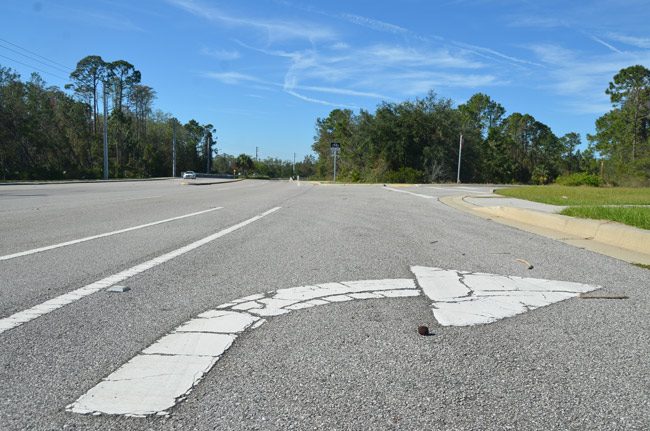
(579, 179)
(404, 175)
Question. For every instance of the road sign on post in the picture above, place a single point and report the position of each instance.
(335, 147)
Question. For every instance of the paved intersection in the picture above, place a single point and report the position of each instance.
(352, 365)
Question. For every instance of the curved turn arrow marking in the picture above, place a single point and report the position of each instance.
(164, 373)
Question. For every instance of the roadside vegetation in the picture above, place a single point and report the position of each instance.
(633, 216)
(626, 205)
(583, 195)
(50, 133)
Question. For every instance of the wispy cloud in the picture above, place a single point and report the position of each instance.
(233, 77)
(537, 22)
(639, 42)
(415, 83)
(552, 54)
(491, 53)
(97, 18)
(374, 24)
(221, 54)
(387, 55)
(318, 101)
(605, 44)
(275, 30)
(342, 91)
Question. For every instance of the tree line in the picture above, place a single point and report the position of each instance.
(48, 133)
(419, 141)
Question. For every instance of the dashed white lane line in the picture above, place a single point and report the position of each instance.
(102, 235)
(462, 298)
(165, 372)
(21, 317)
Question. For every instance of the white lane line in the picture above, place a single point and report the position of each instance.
(164, 373)
(24, 316)
(462, 298)
(102, 235)
(411, 193)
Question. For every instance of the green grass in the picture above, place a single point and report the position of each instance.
(567, 195)
(633, 216)
(591, 202)
(641, 265)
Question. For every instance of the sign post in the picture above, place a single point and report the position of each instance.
(335, 147)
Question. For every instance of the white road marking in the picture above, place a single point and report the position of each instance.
(411, 193)
(165, 372)
(102, 235)
(21, 317)
(463, 298)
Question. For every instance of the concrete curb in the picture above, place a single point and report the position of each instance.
(606, 237)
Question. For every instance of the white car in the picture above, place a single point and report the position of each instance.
(189, 175)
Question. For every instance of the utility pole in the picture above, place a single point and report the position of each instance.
(294, 164)
(105, 131)
(256, 150)
(207, 152)
(173, 147)
(335, 147)
(460, 151)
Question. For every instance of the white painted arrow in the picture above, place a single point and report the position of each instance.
(165, 372)
(462, 298)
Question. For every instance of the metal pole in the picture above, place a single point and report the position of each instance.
(294, 164)
(207, 153)
(174, 148)
(105, 132)
(460, 151)
(335, 153)
(256, 149)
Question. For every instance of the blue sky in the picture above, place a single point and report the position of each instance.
(262, 71)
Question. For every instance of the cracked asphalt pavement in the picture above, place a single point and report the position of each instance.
(359, 364)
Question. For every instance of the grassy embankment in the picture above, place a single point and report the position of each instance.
(630, 206)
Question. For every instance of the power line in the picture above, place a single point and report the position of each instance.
(33, 67)
(36, 60)
(38, 55)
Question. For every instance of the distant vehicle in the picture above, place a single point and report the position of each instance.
(189, 175)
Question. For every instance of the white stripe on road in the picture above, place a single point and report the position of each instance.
(102, 235)
(21, 317)
(411, 193)
(163, 373)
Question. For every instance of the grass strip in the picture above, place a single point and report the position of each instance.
(632, 216)
(568, 195)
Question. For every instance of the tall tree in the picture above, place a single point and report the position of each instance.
(89, 73)
(630, 92)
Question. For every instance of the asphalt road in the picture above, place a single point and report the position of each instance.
(578, 364)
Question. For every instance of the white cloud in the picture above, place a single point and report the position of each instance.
(537, 22)
(275, 30)
(318, 101)
(395, 55)
(639, 42)
(552, 54)
(232, 77)
(374, 24)
(605, 44)
(221, 54)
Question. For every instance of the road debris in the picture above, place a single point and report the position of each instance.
(525, 262)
